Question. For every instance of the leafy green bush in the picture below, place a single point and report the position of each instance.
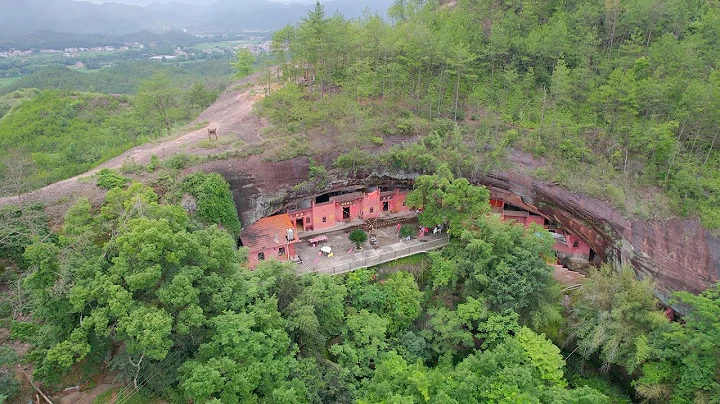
(108, 179)
(215, 203)
(177, 161)
(23, 331)
(406, 231)
(18, 230)
(9, 387)
(8, 356)
(154, 163)
(5, 309)
(316, 171)
(377, 140)
(131, 166)
(616, 195)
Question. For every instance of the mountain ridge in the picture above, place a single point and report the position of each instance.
(83, 17)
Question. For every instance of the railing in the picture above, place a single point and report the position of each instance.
(378, 256)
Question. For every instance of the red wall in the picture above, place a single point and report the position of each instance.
(582, 247)
(399, 198)
(372, 200)
(326, 210)
(525, 219)
(271, 253)
(535, 219)
(333, 211)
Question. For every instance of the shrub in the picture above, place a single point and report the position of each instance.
(154, 163)
(130, 166)
(177, 161)
(8, 356)
(406, 231)
(108, 179)
(358, 236)
(215, 203)
(9, 386)
(23, 331)
(5, 309)
(405, 126)
(616, 195)
(377, 140)
(17, 232)
(316, 171)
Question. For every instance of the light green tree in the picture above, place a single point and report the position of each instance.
(445, 199)
(403, 301)
(158, 101)
(242, 64)
(614, 316)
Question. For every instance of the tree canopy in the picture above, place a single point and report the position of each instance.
(169, 299)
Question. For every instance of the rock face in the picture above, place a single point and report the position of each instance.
(678, 254)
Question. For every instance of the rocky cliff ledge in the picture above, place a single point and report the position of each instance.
(679, 254)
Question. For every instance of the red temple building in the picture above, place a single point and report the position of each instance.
(274, 236)
(328, 210)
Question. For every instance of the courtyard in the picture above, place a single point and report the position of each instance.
(345, 257)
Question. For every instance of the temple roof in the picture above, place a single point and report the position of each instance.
(268, 232)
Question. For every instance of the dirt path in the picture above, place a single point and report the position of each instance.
(230, 114)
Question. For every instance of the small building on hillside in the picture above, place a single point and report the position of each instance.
(270, 238)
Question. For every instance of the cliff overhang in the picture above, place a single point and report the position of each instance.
(678, 254)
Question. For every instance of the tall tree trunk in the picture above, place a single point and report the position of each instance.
(542, 111)
(163, 113)
(707, 156)
(672, 161)
(625, 163)
(137, 372)
(457, 93)
(384, 73)
(441, 89)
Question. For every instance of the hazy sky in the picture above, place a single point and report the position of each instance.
(146, 2)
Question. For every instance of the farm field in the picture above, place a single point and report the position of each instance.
(226, 44)
(7, 80)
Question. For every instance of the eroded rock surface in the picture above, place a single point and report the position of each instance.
(678, 254)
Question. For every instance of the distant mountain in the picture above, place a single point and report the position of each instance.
(82, 17)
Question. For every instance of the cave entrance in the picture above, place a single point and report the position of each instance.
(299, 224)
(346, 213)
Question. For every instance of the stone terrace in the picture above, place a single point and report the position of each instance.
(346, 258)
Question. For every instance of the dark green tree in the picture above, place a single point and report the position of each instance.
(358, 237)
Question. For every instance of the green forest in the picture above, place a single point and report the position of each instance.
(50, 135)
(164, 298)
(622, 93)
(619, 100)
(124, 77)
